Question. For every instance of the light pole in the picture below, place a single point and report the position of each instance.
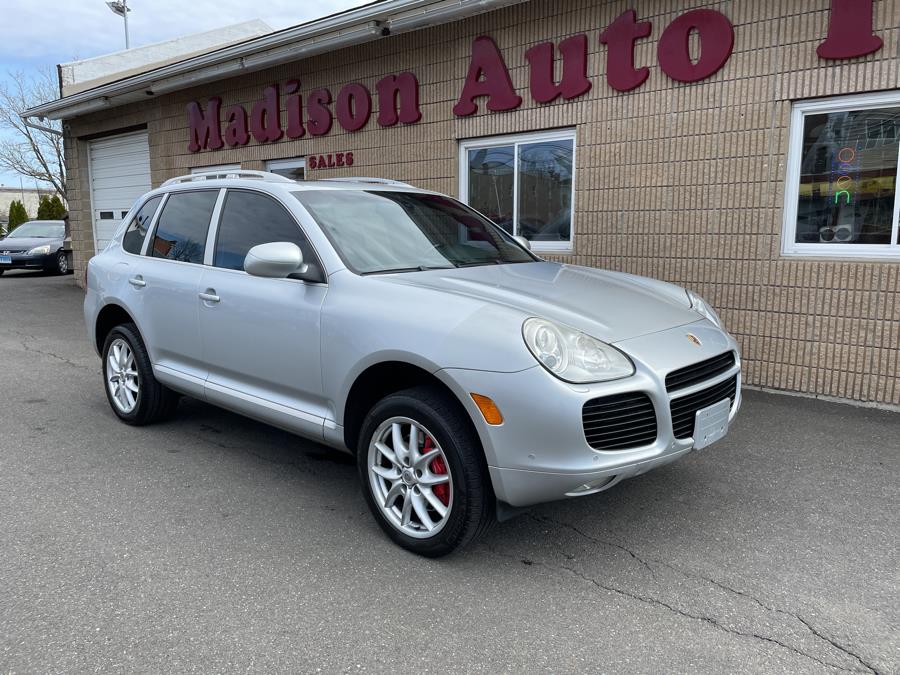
(121, 8)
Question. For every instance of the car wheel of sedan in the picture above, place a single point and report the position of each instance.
(423, 472)
(62, 263)
(133, 392)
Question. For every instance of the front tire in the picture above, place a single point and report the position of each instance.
(423, 472)
(134, 394)
(62, 263)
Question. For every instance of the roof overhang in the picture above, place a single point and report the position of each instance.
(357, 26)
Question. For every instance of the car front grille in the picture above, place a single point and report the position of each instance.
(698, 372)
(619, 422)
(4, 252)
(684, 409)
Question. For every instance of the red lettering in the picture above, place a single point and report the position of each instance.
(318, 113)
(322, 163)
(398, 100)
(330, 161)
(236, 132)
(574, 82)
(620, 38)
(294, 110)
(850, 31)
(487, 63)
(353, 107)
(349, 159)
(265, 122)
(717, 42)
(340, 159)
(312, 162)
(205, 130)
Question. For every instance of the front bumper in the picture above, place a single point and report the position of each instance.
(23, 261)
(540, 452)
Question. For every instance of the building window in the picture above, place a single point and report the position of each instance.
(295, 169)
(216, 168)
(525, 184)
(841, 196)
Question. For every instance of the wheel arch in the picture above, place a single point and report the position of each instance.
(382, 379)
(109, 317)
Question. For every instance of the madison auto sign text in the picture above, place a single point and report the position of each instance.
(212, 127)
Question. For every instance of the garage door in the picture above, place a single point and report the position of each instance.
(120, 173)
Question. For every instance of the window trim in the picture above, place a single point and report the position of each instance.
(515, 140)
(789, 246)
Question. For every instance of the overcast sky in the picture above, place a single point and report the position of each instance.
(46, 32)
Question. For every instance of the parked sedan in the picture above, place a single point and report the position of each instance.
(35, 245)
(467, 376)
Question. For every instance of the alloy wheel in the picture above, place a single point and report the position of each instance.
(410, 477)
(62, 263)
(121, 376)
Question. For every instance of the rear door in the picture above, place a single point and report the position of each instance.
(261, 337)
(168, 282)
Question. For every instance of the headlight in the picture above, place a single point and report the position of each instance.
(573, 356)
(39, 250)
(704, 309)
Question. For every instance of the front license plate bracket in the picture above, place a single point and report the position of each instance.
(711, 424)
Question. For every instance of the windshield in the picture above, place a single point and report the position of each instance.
(381, 231)
(39, 229)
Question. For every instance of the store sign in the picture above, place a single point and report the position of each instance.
(850, 35)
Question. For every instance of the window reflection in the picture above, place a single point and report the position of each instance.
(491, 184)
(848, 177)
(545, 191)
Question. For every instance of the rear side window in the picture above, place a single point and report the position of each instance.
(250, 219)
(134, 237)
(183, 225)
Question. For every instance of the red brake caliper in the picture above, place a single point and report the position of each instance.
(438, 467)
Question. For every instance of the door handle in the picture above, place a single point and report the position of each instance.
(209, 296)
(137, 282)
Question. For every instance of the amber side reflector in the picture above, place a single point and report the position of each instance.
(488, 408)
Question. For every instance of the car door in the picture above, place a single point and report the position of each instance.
(261, 336)
(167, 282)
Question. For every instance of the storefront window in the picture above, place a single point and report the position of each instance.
(295, 169)
(843, 177)
(525, 184)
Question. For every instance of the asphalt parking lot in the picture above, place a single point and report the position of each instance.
(213, 543)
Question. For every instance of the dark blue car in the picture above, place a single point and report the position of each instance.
(35, 245)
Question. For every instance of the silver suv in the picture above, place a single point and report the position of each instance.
(469, 377)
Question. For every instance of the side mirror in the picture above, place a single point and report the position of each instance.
(523, 242)
(277, 260)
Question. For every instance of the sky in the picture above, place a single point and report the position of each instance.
(41, 33)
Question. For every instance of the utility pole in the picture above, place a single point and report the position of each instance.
(121, 8)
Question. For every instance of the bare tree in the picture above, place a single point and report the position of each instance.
(31, 152)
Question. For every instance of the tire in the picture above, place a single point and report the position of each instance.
(62, 263)
(442, 426)
(151, 402)
(1, 272)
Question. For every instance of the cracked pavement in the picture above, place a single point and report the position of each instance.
(213, 543)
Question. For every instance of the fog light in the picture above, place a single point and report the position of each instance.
(591, 488)
(489, 409)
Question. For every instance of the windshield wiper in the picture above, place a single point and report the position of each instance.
(420, 268)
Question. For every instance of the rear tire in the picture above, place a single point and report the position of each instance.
(134, 394)
(401, 486)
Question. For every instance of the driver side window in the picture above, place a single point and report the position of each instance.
(250, 219)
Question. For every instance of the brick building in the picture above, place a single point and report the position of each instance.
(746, 150)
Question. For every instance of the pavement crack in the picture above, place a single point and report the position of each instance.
(699, 617)
(595, 540)
(648, 564)
(43, 352)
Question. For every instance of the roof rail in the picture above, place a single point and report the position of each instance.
(219, 175)
(364, 179)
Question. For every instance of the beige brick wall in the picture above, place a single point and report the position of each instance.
(679, 182)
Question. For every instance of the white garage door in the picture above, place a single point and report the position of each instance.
(120, 173)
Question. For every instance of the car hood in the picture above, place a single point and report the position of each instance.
(610, 306)
(27, 243)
